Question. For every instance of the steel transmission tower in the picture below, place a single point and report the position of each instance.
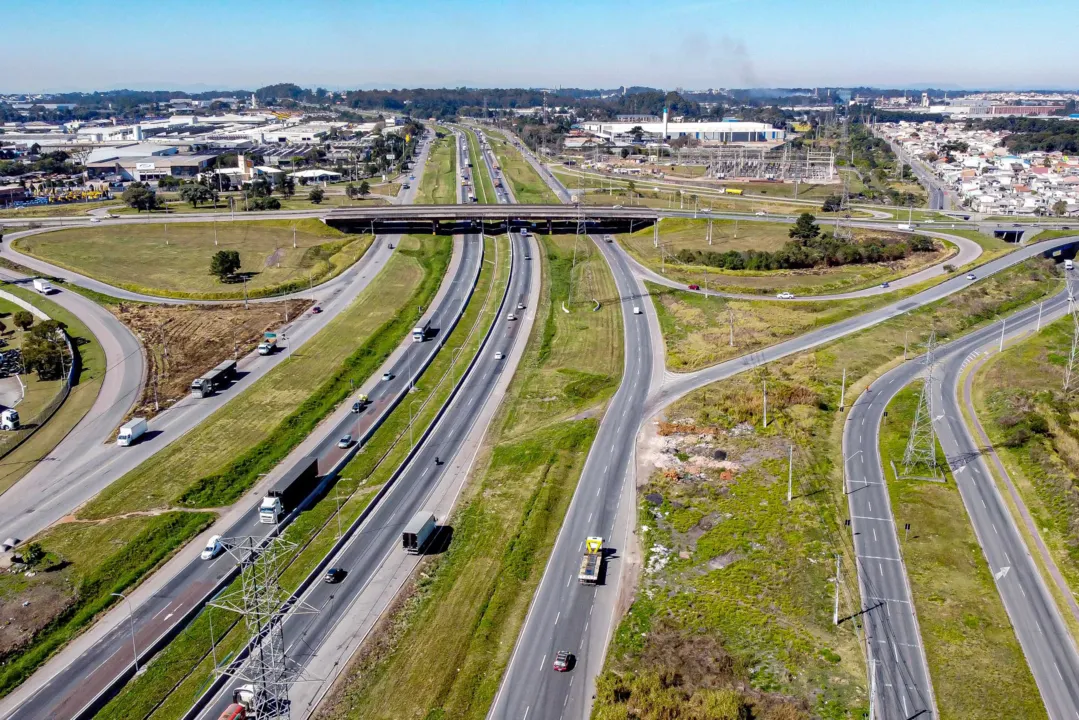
(922, 444)
(262, 602)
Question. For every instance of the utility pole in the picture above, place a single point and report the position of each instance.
(843, 392)
(1003, 324)
(730, 316)
(215, 232)
(1039, 328)
(790, 475)
(765, 383)
(835, 613)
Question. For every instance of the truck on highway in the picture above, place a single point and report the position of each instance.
(9, 419)
(733, 191)
(288, 492)
(904, 226)
(242, 706)
(418, 532)
(214, 380)
(419, 333)
(42, 286)
(591, 562)
(131, 431)
(268, 344)
(1069, 264)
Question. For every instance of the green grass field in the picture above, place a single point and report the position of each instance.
(466, 608)
(528, 186)
(136, 257)
(975, 661)
(679, 234)
(59, 210)
(438, 186)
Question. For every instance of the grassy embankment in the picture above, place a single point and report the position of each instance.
(485, 190)
(137, 258)
(466, 607)
(975, 661)
(528, 187)
(83, 394)
(438, 185)
(738, 586)
(184, 669)
(217, 462)
(58, 210)
(727, 235)
(1018, 396)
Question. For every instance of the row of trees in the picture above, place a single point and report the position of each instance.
(810, 248)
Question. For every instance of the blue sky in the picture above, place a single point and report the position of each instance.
(67, 45)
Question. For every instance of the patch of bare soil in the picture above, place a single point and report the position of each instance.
(27, 608)
(184, 341)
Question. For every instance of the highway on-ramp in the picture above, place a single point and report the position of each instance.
(100, 666)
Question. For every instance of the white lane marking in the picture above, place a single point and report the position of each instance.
(870, 506)
(543, 662)
(866, 517)
(874, 535)
(589, 517)
(568, 580)
(983, 504)
(525, 717)
(162, 610)
(995, 530)
(881, 568)
(878, 557)
(557, 617)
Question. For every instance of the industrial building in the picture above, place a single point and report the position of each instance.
(726, 132)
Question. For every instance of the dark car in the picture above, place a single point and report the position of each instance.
(694, 287)
(334, 575)
(357, 407)
(316, 310)
(563, 661)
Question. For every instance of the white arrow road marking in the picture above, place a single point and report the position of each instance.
(999, 574)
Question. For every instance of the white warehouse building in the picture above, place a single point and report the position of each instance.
(726, 131)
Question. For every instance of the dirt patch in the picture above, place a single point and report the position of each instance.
(27, 609)
(183, 341)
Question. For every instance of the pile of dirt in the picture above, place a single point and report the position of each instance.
(184, 341)
(30, 608)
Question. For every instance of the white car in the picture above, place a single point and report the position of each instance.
(95, 219)
(345, 441)
(520, 306)
(708, 210)
(636, 310)
(499, 355)
(760, 212)
(386, 377)
(971, 276)
(511, 317)
(213, 548)
(785, 296)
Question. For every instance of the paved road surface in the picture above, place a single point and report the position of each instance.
(96, 669)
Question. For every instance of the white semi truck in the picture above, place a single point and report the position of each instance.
(131, 431)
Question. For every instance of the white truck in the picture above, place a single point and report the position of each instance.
(9, 419)
(131, 431)
(290, 491)
(1069, 264)
(418, 532)
(244, 704)
(419, 333)
(904, 226)
(42, 286)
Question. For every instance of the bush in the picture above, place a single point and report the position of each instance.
(23, 319)
(264, 203)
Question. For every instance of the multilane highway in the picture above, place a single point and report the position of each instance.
(376, 543)
(101, 666)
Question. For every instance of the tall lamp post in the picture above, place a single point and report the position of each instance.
(131, 622)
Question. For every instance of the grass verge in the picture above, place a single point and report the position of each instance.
(976, 663)
(485, 190)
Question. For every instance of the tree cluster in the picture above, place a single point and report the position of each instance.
(808, 248)
(44, 350)
(140, 196)
(224, 264)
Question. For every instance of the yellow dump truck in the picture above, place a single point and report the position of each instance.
(591, 562)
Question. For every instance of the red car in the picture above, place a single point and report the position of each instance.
(316, 310)
(694, 287)
(563, 661)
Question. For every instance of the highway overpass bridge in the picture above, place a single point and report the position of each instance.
(491, 219)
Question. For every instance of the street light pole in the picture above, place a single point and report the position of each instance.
(131, 620)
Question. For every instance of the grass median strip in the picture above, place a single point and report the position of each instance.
(173, 259)
(439, 183)
(184, 669)
(735, 600)
(485, 190)
(450, 637)
(975, 661)
(528, 186)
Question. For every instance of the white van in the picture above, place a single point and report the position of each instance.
(1069, 265)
